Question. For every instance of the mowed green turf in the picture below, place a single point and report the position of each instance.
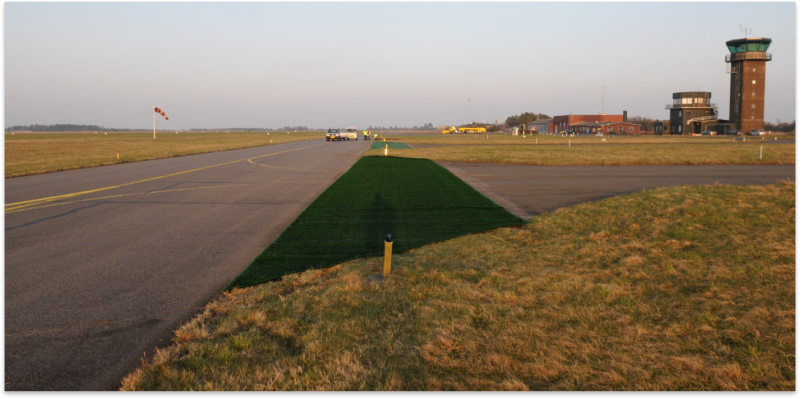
(415, 200)
(392, 145)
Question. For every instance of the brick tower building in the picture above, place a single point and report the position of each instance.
(748, 59)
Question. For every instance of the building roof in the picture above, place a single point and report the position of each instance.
(541, 121)
(607, 123)
(736, 42)
(600, 124)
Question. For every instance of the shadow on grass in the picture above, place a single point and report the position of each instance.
(415, 200)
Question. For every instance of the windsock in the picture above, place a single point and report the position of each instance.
(158, 110)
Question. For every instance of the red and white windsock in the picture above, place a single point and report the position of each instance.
(158, 110)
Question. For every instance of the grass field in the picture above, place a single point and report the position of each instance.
(415, 200)
(579, 154)
(542, 139)
(42, 153)
(689, 288)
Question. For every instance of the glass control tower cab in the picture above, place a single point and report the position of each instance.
(748, 67)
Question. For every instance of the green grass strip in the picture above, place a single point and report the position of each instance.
(392, 145)
(415, 200)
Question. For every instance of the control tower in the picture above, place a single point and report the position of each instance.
(748, 59)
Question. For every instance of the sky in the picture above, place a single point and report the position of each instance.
(375, 64)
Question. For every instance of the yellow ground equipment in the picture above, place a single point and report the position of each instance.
(367, 135)
(464, 130)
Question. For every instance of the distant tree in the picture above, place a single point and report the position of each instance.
(61, 127)
(525, 117)
(780, 126)
(646, 123)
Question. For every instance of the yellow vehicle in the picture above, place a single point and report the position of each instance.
(463, 130)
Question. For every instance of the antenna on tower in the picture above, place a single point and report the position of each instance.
(744, 29)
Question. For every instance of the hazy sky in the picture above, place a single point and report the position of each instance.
(359, 64)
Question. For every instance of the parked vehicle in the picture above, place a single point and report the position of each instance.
(758, 132)
(463, 130)
(332, 135)
(708, 132)
(734, 132)
(351, 133)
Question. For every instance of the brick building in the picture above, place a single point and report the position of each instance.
(748, 69)
(606, 128)
(692, 112)
(563, 123)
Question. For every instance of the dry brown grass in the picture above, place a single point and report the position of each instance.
(580, 154)
(688, 288)
(42, 153)
(543, 139)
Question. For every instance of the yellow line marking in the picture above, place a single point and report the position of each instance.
(277, 167)
(33, 202)
(121, 195)
(43, 206)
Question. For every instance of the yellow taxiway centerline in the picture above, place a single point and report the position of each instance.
(10, 207)
(44, 205)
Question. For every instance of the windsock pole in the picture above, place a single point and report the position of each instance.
(154, 120)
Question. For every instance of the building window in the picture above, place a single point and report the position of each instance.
(754, 93)
(679, 128)
(689, 113)
(754, 69)
(752, 118)
(754, 82)
(619, 129)
(680, 113)
(753, 106)
(630, 129)
(610, 129)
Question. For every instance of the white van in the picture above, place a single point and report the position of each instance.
(352, 133)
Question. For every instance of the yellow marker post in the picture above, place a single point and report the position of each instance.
(117, 155)
(386, 150)
(387, 256)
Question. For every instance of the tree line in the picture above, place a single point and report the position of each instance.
(525, 117)
(62, 127)
(426, 126)
(246, 129)
(779, 126)
(646, 123)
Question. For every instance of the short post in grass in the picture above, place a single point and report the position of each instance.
(387, 255)
(760, 152)
(386, 150)
(117, 155)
